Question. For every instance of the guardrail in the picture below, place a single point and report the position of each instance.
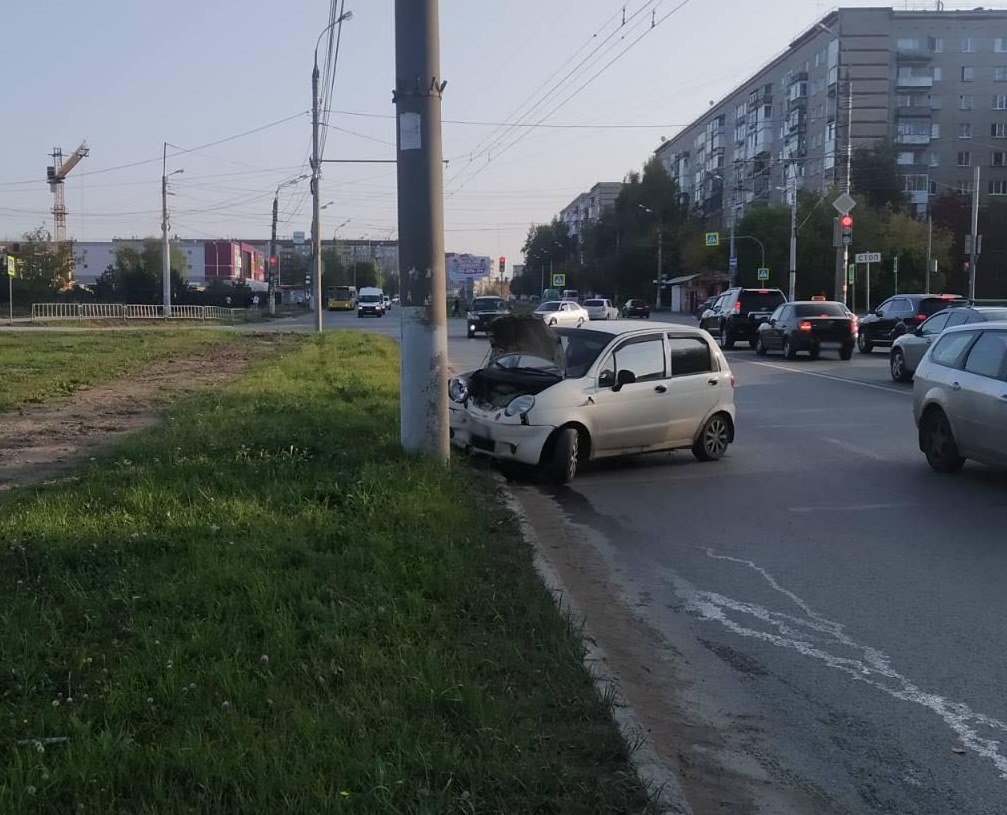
(46, 312)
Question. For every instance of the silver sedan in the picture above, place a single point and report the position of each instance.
(908, 349)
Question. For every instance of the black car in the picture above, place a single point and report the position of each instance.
(636, 308)
(808, 326)
(482, 312)
(900, 314)
(736, 314)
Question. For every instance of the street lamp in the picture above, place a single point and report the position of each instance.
(793, 231)
(165, 252)
(660, 255)
(273, 277)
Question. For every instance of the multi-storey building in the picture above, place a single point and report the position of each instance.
(588, 206)
(932, 82)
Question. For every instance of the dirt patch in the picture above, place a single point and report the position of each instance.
(43, 442)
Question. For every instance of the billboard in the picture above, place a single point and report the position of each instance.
(462, 268)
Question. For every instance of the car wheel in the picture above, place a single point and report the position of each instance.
(938, 442)
(864, 345)
(552, 322)
(726, 340)
(752, 343)
(565, 452)
(788, 349)
(471, 333)
(760, 347)
(846, 352)
(898, 366)
(713, 438)
(580, 322)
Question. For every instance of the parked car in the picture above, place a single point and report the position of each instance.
(705, 306)
(482, 312)
(636, 308)
(960, 397)
(736, 314)
(808, 326)
(387, 302)
(599, 309)
(900, 314)
(370, 302)
(562, 312)
(908, 350)
(556, 398)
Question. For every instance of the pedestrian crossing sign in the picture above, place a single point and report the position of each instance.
(712, 239)
(11, 266)
(558, 280)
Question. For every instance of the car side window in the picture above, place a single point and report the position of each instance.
(988, 357)
(950, 347)
(885, 309)
(935, 325)
(957, 316)
(898, 307)
(644, 357)
(778, 314)
(689, 355)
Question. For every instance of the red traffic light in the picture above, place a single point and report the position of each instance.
(272, 260)
(846, 221)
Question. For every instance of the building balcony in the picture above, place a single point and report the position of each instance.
(914, 54)
(914, 112)
(913, 138)
(914, 82)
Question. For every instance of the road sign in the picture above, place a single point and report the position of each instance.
(11, 266)
(851, 273)
(558, 281)
(843, 204)
(733, 263)
(867, 257)
(763, 273)
(712, 238)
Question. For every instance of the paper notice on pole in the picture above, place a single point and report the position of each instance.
(410, 137)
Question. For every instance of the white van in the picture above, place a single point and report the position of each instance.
(370, 302)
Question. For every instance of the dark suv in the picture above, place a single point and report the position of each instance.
(900, 314)
(736, 314)
(482, 312)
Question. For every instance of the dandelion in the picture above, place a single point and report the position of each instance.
(344, 794)
(150, 700)
(170, 664)
(55, 702)
(39, 747)
(225, 705)
(31, 789)
(264, 659)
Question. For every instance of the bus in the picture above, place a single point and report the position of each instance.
(342, 298)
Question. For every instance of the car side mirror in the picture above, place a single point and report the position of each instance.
(622, 378)
(606, 379)
(771, 321)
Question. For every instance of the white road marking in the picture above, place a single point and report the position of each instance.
(852, 448)
(815, 636)
(820, 375)
(852, 508)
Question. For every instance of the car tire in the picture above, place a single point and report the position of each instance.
(471, 334)
(712, 441)
(753, 342)
(562, 466)
(846, 353)
(726, 340)
(788, 349)
(938, 442)
(580, 322)
(864, 345)
(897, 366)
(760, 347)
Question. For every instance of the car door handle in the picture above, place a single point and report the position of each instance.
(955, 386)
(712, 381)
(661, 389)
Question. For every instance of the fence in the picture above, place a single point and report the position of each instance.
(45, 312)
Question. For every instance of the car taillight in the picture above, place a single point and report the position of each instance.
(737, 307)
(921, 317)
(853, 325)
(804, 326)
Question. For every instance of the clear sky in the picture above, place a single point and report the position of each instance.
(127, 75)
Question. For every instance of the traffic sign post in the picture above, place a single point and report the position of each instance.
(763, 273)
(712, 238)
(558, 281)
(11, 274)
(895, 271)
(851, 273)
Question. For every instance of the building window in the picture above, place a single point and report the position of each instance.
(964, 185)
(907, 157)
(935, 160)
(1000, 73)
(936, 44)
(968, 45)
(965, 130)
(937, 73)
(998, 186)
(966, 101)
(1000, 45)
(964, 158)
(998, 159)
(935, 130)
(968, 73)
(935, 101)
(916, 183)
(998, 130)
(1000, 102)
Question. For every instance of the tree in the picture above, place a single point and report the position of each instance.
(43, 269)
(875, 176)
(550, 248)
(137, 275)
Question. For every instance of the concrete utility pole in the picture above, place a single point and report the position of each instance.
(930, 244)
(793, 237)
(274, 263)
(974, 257)
(733, 262)
(424, 349)
(165, 248)
(660, 264)
(316, 213)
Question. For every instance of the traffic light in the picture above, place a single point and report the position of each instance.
(846, 227)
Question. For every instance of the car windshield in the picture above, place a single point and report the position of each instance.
(581, 348)
(548, 307)
(488, 304)
(820, 310)
(370, 298)
(761, 299)
(932, 305)
(636, 303)
(594, 302)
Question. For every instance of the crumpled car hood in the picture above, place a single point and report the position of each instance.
(526, 335)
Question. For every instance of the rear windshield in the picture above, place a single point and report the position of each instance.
(934, 304)
(594, 302)
(820, 310)
(548, 307)
(761, 300)
(637, 303)
(487, 304)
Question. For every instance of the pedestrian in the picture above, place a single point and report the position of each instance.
(456, 309)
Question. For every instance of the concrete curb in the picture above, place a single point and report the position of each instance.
(662, 784)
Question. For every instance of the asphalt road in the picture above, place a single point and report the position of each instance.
(833, 610)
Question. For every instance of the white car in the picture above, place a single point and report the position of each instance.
(562, 312)
(600, 309)
(960, 397)
(555, 398)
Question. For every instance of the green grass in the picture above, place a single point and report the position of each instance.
(264, 607)
(40, 365)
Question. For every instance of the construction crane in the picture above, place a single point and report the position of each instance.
(56, 174)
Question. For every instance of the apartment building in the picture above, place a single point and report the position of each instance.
(933, 82)
(588, 206)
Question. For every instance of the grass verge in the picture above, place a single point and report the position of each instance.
(264, 606)
(41, 365)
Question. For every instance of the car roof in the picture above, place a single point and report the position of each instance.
(618, 327)
(951, 298)
(813, 303)
(993, 324)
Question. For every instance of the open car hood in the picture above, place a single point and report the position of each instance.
(526, 335)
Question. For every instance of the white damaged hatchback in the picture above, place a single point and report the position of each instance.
(558, 397)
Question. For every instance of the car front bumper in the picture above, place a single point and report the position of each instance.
(504, 438)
